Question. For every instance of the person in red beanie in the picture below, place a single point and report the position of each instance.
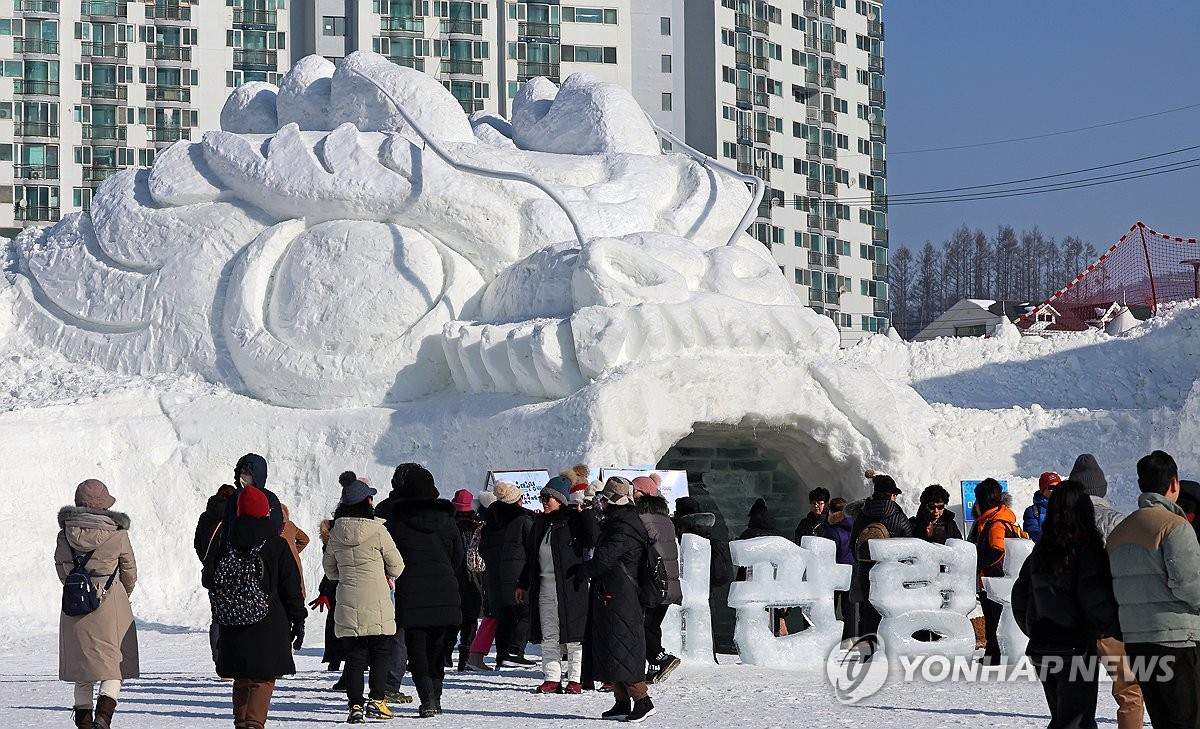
(470, 584)
(1035, 515)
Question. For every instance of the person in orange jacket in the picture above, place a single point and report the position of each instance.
(995, 523)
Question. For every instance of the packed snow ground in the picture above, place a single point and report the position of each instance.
(178, 689)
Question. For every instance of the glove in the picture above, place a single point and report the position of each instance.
(320, 605)
(297, 636)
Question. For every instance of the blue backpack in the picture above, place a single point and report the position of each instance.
(235, 592)
(80, 596)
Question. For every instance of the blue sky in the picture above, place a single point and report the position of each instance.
(968, 71)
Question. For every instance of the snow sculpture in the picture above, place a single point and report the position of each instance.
(687, 628)
(318, 202)
(920, 586)
(780, 574)
(1011, 638)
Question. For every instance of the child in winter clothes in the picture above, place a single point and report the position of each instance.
(101, 646)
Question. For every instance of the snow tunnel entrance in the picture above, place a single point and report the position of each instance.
(730, 466)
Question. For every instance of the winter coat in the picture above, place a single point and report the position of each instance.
(361, 556)
(720, 562)
(810, 526)
(264, 649)
(572, 534)
(837, 528)
(470, 588)
(886, 512)
(1065, 614)
(1035, 516)
(297, 540)
(431, 545)
(101, 645)
(656, 517)
(208, 524)
(1155, 562)
(988, 534)
(761, 523)
(618, 634)
(258, 469)
(1107, 518)
(504, 546)
(944, 527)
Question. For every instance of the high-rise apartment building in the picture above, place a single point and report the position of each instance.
(91, 87)
(792, 94)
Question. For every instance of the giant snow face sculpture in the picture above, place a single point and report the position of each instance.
(316, 253)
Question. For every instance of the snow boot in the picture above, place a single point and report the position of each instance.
(642, 708)
(463, 655)
(665, 665)
(356, 715)
(621, 709)
(573, 687)
(475, 663)
(548, 687)
(105, 706)
(83, 718)
(427, 711)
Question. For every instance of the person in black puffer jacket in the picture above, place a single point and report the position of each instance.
(934, 522)
(207, 527)
(656, 516)
(881, 510)
(618, 631)
(761, 522)
(1063, 600)
(427, 601)
(470, 591)
(504, 547)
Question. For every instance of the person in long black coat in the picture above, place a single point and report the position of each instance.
(255, 655)
(427, 601)
(504, 546)
(618, 632)
(207, 526)
(250, 470)
(1063, 600)
(568, 534)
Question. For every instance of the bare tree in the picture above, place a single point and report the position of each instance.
(901, 269)
(928, 286)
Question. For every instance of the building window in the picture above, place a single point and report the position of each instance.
(975, 330)
(333, 25)
(666, 102)
(664, 26)
(666, 64)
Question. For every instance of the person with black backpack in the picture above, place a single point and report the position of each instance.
(879, 517)
(97, 637)
(254, 591)
(618, 578)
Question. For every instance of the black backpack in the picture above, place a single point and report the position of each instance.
(236, 594)
(652, 581)
(80, 596)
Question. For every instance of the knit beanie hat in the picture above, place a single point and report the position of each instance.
(253, 503)
(507, 493)
(1087, 472)
(93, 494)
(487, 498)
(412, 481)
(577, 474)
(1049, 478)
(557, 489)
(463, 500)
(645, 486)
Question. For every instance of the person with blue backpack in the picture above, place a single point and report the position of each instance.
(97, 638)
(254, 591)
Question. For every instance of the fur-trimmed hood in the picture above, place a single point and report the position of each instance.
(83, 517)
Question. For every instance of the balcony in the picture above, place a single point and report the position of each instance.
(256, 58)
(760, 25)
(527, 70)
(745, 168)
(749, 135)
(880, 306)
(36, 6)
(40, 88)
(879, 270)
(473, 68)
(104, 132)
(116, 92)
(815, 296)
(828, 151)
(875, 29)
(105, 50)
(34, 45)
(35, 172)
(811, 77)
(168, 53)
(814, 221)
(877, 97)
(741, 22)
(104, 8)
(830, 224)
(824, 260)
(242, 16)
(827, 9)
(813, 185)
(539, 30)
(35, 129)
(99, 173)
(828, 81)
(742, 58)
(762, 63)
(875, 63)
(810, 42)
(829, 188)
(812, 7)
(878, 166)
(399, 24)
(764, 209)
(167, 134)
(827, 45)
(471, 105)
(168, 12)
(762, 98)
(878, 133)
(461, 27)
(812, 150)
(37, 214)
(879, 235)
(180, 94)
(812, 116)
(828, 116)
(416, 62)
(743, 96)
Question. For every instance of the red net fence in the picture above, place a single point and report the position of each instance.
(1141, 271)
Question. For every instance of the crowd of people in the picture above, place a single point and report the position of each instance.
(415, 580)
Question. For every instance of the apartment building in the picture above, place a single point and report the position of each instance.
(91, 87)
